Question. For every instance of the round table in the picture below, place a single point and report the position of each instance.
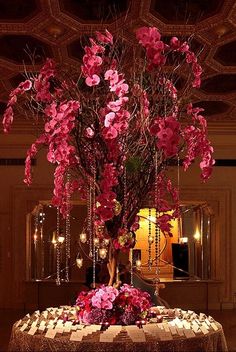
(163, 339)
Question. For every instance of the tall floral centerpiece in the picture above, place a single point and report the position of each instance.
(112, 131)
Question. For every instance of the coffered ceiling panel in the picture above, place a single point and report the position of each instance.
(59, 28)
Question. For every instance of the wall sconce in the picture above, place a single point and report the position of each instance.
(197, 235)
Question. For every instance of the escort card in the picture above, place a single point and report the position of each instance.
(204, 330)
(214, 326)
(68, 324)
(166, 327)
(106, 337)
(180, 331)
(189, 333)
(32, 330)
(67, 329)
(205, 325)
(186, 324)
(24, 326)
(196, 328)
(59, 330)
(173, 330)
(76, 336)
(51, 333)
(42, 328)
(165, 336)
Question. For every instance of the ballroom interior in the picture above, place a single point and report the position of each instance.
(197, 264)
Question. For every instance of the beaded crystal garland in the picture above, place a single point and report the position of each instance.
(111, 134)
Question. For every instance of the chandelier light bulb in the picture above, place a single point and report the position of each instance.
(138, 263)
(102, 253)
(83, 237)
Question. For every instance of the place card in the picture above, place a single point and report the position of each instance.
(67, 329)
(150, 329)
(59, 330)
(205, 325)
(166, 327)
(189, 333)
(106, 337)
(204, 330)
(32, 330)
(42, 328)
(34, 323)
(186, 324)
(68, 324)
(196, 328)
(165, 336)
(76, 336)
(42, 323)
(37, 312)
(214, 326)
(180, 331)
(24, 326)
(51, 333)
(173, 330)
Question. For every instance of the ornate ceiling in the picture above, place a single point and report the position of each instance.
(54, 28)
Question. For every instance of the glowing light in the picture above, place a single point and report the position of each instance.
(138, 263)
(79, 262)
(96, 241)
(183, 240)
(102, 253)
(197, 235)
(83, 237)
(61, 239)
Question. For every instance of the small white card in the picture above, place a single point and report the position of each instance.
(166, 327)
(67, 329)
(173, 330)
(214, 326)
(189, 333)
(186, 324)
(59, 330)
(105, 337)
(204, 330)
(51, 333)
(24, 326)
(205, 325)
(68, 324)
(196, 328)
(180, 331)
(165, 336)
(76, 336)
(32, 330)
(42, 328)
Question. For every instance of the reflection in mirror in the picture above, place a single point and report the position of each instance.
(184, 255)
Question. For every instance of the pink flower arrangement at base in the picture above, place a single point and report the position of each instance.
(109, 305)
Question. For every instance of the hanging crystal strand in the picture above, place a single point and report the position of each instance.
(89, 217)
(67, 229)
(58, 254)
(92, 221)
(178, 188)
(149, 239)
(125, 200)
(35, 238)
(157, 229)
